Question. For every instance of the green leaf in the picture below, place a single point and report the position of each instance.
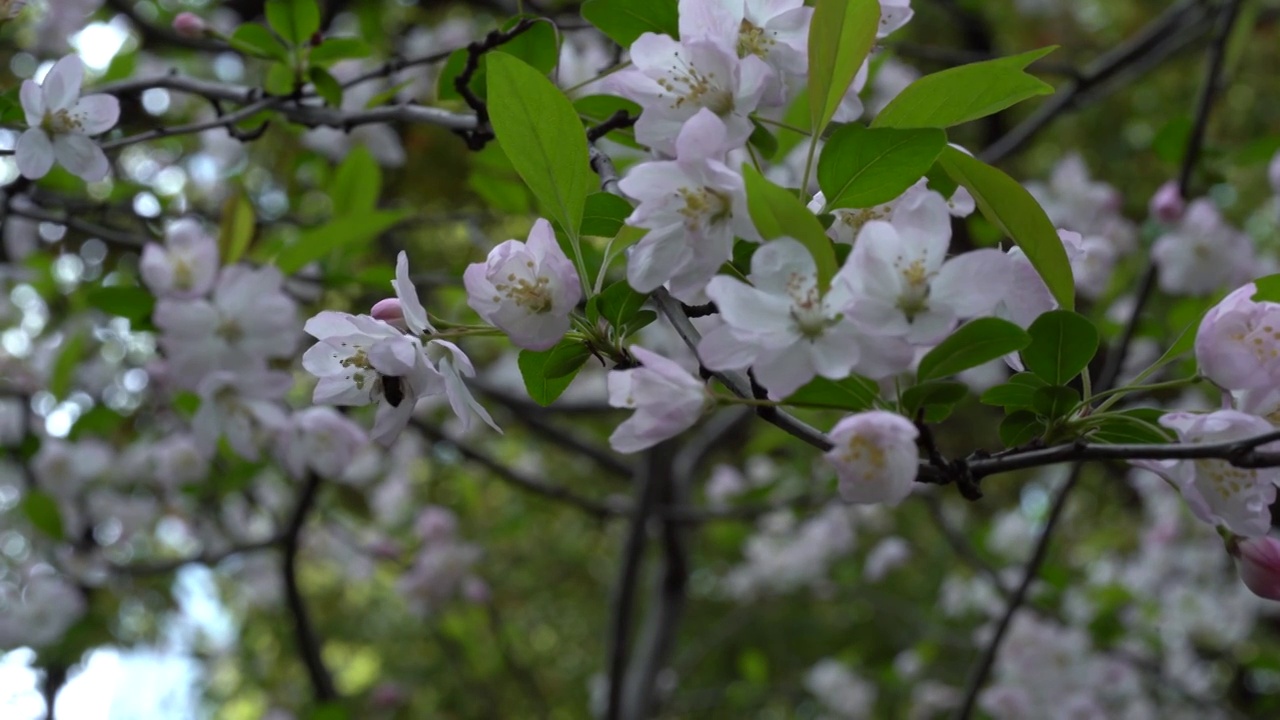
(238, 226)
(623, 21)
(294, 20)
(1020, 428)
(862, 167)
(134, 303)
(932, 392)
(604, 214)
(1054, 401)
(1171, 141)
(280, 79)
(254, 39)
(547, 373)
(1019, 392)
(1062, 344)
(327, 86)
(840, 36)
(1011, 208)
(1267, 289)
(542, 136)
(765, 143)
(960, 94)
(854, 394)
(100, 420)
(345, 232)
(976, 342)
(356, 185)
(619, 303)
(1134, 426)
(339, 48)
(42, 510)
(778, 213)
(538, 46)
(64, 368)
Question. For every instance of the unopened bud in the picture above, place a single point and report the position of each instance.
(1259, 562)
(389, 311)
(1167, 205)
(189, 24)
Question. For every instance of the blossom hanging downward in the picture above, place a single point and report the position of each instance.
(667, 401)
(61, 123)
(875, 457)
(526, 289)
(1259, 563)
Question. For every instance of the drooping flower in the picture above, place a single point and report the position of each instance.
(672, 80)
(526, 289)
(693, 207)
(1218, 492)
(667, 401)
(1202, 253)
(903, 284)
(875, 457)
(783, 328)
(185, 266)
(1238, 342)
(61, 123)
(1259, 563)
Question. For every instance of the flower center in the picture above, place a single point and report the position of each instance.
(1226, 479)
(690, 85)
(183, 275)
(532, 293)
(855, 219)
(806, 306)
(915, 292)
(860, 450)
(753, 40)
(61, 122)
(230, 331)
(703, 206)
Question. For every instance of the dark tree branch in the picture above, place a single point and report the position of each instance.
(478, 137)
(308, 641)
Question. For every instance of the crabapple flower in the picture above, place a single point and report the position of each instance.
(452, 365)
(1167, 205)
(1218, 492)
(672, 80)
(360, 360)
(412, 314)
(1202, 253)
(526, 289)
(242, 406)
(875, 457)
(189, 24)
(61, 123)
(776, 31)
(319, 440)
(185, 266)
(1075, 201)
(903, 284)
(781, 325)
(667, 401)
(849, 221)
(1238, 342)
(693, 207)
(1259, 563)
(248, 320)
(893, 15)
(389, 311)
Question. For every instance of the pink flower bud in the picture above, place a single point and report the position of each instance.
(1167, 205)
(189, 24)
(1260, 565)
(475, 590)
(389, 311)
(388, 695)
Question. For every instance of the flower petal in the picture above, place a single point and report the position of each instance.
(34, 154)
(81, 157)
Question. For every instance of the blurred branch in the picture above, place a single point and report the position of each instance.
(161, 567)
(153, 34)
(102, 232)
(308, 642)
(538, 423)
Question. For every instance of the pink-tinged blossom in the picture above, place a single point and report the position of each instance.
(452, 367)
(1167, 205)
(776, 31)
(1202, 253)
(693, 207)
(249, 320)
(667, 401)
(893, 15)
(1218, 492)
(413, 314)
(1238, 342)
(875, 457)
(1075, 201)
(185, 266)
(61, 123)
(1259, 563)
(189, 24)
(243, 407)
(904, 285)
(672, 80)
(319, 440)
(783, 328)
(526, 289)
(360, 361)
(389, 311)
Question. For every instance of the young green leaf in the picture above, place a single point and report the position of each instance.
(932, 392)
(356, 185)
(548, 373)
(777, 213)
(1019, 392)
(42, 511)
(238, 226)
(294, 20)
(960, 94)
(339, 48)
(1062, 344)
(604, 214)
(861, 167)
(134, 303)
(623, 21)
(1020, 428)
(327, 86)
(976, 342)
(542, 136)
(840, 36)
(254, 39)
(1011, 208)
(619, 303)
(344, 232)
(1054, 401)
(854, 394)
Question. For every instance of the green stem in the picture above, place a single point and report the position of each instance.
(808, 166)
(1118, 393)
